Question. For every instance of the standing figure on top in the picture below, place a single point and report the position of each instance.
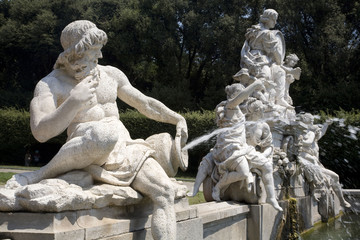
(265, 48)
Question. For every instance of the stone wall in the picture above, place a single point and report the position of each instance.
(210, 221)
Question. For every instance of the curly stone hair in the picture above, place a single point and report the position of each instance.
(76, 38)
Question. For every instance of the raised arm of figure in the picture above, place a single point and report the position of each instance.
(244, 94)
(325, 127)
(47, 119)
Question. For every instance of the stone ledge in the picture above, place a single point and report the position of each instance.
(85, 224)
(213, 211)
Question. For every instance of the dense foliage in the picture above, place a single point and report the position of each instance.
(339, 148)
(186, 51)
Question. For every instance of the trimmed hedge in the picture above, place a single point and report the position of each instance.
(15, 135)
(16, 138)
(339, 148)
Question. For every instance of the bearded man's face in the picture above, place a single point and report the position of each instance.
(86, 65)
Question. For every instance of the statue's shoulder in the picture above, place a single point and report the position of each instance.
(253, 31)
(54, 82)
(112, 71)
(49, 80)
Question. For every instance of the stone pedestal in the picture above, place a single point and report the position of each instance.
(264, 221)
(223, 220)
(210, 221)
(121, 223)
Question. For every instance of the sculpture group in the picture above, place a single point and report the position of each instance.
(262, 138)
(261, 132)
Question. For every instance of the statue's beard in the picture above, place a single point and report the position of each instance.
(83, 69)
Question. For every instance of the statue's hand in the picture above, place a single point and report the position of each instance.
(84, 92)
(181, 131)
(329, 121)
(259, 85)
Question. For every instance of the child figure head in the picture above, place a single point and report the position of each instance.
(233, 90)
(291, 60)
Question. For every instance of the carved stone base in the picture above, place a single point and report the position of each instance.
(210, 221)
(130, 222)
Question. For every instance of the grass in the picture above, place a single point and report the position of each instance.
(199, 198)
(4, 176)
(16, 167)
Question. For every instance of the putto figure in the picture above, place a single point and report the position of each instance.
(292, 74)
(79, 95)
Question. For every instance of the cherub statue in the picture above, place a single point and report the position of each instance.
(292, 74)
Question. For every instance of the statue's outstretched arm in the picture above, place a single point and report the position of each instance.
(244, 94)
(151, 107)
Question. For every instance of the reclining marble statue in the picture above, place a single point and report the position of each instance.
(79, 95)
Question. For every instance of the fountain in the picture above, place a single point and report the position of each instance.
(262, 180)
(260, 132)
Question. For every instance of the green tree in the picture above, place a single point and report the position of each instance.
(186, 51)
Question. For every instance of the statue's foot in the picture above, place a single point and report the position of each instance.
(18, 180)
(193, 194)
(249, 182)
(273, 202)
(283, 103)
(180, 190)
(346, 204)
(216, 194)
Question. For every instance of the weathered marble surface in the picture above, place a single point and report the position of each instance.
(80, 96)
(238, 149)
(74, 190)
(263, 144)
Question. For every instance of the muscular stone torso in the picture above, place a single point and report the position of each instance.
(103, 105)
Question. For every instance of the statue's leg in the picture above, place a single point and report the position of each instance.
(153, 182)
(279, 77)
(205, 168)
(336, 186)
(77, 153)
(268, 179)
(240, 172)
